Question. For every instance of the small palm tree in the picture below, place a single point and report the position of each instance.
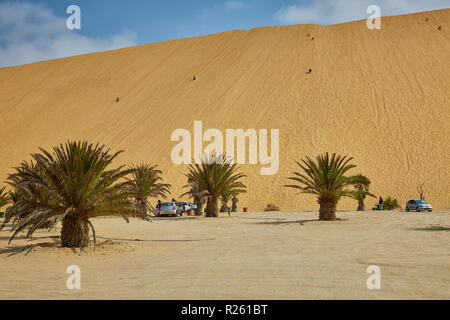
(391, 203)
(215, 176)
(326, 179)
(226, 197)
(79, 185)
(145, 183)
(200, 196)
(363, 185)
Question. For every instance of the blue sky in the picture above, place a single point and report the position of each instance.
(35, 30)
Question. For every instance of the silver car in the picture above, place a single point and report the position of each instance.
(170, 209)
(418, 205)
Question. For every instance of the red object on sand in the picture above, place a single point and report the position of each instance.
(190, 212)
(245, 209)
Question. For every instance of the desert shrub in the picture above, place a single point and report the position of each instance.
(390, 204)
(272, 207)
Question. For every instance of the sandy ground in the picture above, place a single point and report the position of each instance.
(382, 96)
(246, 256)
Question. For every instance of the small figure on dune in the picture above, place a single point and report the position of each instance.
(308, 35)
(439, 28)
(117, 99)
(426, 19)
(312, 38)
(309, 71)
(380, 204)
(195, 78)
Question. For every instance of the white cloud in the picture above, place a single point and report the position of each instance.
(234, 5)
(31, 33)
(338, 11)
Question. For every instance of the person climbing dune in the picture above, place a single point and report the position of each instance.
(117, 99)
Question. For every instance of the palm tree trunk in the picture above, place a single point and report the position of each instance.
(224, 208)
(361, 205)
(142, 206)
(74, 233)
(199, 209)
(212, 210)
(327, 210)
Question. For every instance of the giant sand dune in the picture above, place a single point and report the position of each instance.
(382, 96)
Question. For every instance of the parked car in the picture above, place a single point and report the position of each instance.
(418, 205)
(186, 206)
(170, 209)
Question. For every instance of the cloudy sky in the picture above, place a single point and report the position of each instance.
(36, 30)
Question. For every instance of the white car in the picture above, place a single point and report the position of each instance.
(186, 206)
(418, 205)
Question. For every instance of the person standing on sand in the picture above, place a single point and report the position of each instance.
(380, 204)
(158, 208)
(234, 202)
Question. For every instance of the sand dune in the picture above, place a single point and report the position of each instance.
(382, 96)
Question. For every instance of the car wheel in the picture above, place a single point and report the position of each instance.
(430, 210)
(407, 209)
(418, 209)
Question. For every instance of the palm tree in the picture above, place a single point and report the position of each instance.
(391, 203)
(80, 186)
(14, 196)
(215, 176)
(200, 196)
(26, 197)
(326, 179)
(146, 182)
(363, 185)
(226, 197)
(3, 198)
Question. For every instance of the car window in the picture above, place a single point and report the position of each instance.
(420, 202)
(168, 204)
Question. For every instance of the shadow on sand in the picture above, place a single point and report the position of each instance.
(284, 222)
(432, 228)
(12, 251)
(156, 240)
